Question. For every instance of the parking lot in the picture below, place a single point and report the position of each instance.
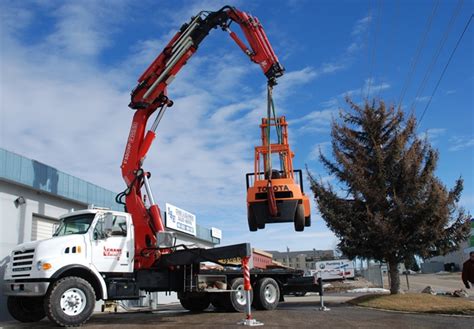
(296, 312)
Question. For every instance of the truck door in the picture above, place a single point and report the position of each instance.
(112, 249)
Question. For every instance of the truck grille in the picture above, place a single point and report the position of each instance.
(22, 262)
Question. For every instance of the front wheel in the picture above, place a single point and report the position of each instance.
(26, 309)
(70, 301)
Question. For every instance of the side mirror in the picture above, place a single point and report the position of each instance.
(108, 223)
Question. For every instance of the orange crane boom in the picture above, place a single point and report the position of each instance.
(151, 94)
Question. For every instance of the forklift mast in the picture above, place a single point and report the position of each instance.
(267, 149)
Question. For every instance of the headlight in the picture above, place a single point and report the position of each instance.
(40, 265)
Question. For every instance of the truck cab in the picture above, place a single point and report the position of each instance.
(63, 276)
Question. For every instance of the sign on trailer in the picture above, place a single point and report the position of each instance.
(180, 220)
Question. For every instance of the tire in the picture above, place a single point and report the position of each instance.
(299, 218)
(70, 301)
(26, 309)
(235, 300)
(267, 294)
(195, 304)
(307, 221)
(252, 220)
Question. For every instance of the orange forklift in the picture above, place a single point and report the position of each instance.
(276, 195)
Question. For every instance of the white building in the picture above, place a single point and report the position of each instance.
(32, 197)
(303, 259)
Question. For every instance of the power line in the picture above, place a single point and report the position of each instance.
(391, 35)
(374, 47)
(367, 45)
(418, 52)
(422, 86)
(445, 68)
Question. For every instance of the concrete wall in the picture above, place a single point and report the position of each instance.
(16, 221)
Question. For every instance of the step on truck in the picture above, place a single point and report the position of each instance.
(91, 258)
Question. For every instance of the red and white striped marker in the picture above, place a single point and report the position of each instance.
(249, 321)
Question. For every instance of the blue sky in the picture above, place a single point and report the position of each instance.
(67, 69)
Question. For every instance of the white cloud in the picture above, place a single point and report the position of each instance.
(361, 25)
(330, 103)
(422, 98)
(320, 148)
(354, 47)
(178, 17)
(369, 82)
(331, 67)
(315, 122)
(83, 28)
(459, 143)
(467, 201)
(14, 18)
(432, 134)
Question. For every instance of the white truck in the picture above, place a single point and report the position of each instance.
(91, 257)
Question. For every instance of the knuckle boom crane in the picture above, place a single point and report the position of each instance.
(150, 95)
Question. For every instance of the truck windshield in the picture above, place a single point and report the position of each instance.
(74, 225)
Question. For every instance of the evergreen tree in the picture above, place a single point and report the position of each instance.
(393, 206)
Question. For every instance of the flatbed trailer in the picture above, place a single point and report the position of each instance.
(199, 287)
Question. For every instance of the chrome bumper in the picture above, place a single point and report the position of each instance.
(25, 288)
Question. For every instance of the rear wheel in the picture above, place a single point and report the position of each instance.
(70, 302)
(267, 294)
(307, 221)
(252, 220)
(236, 300)
(299, 218)
(26, 309)
(195, 303)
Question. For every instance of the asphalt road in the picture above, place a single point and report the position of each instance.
(291, 314)
(447, 282)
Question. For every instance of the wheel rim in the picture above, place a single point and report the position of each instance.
(73, 301)
(240, 295)
(270, 293)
